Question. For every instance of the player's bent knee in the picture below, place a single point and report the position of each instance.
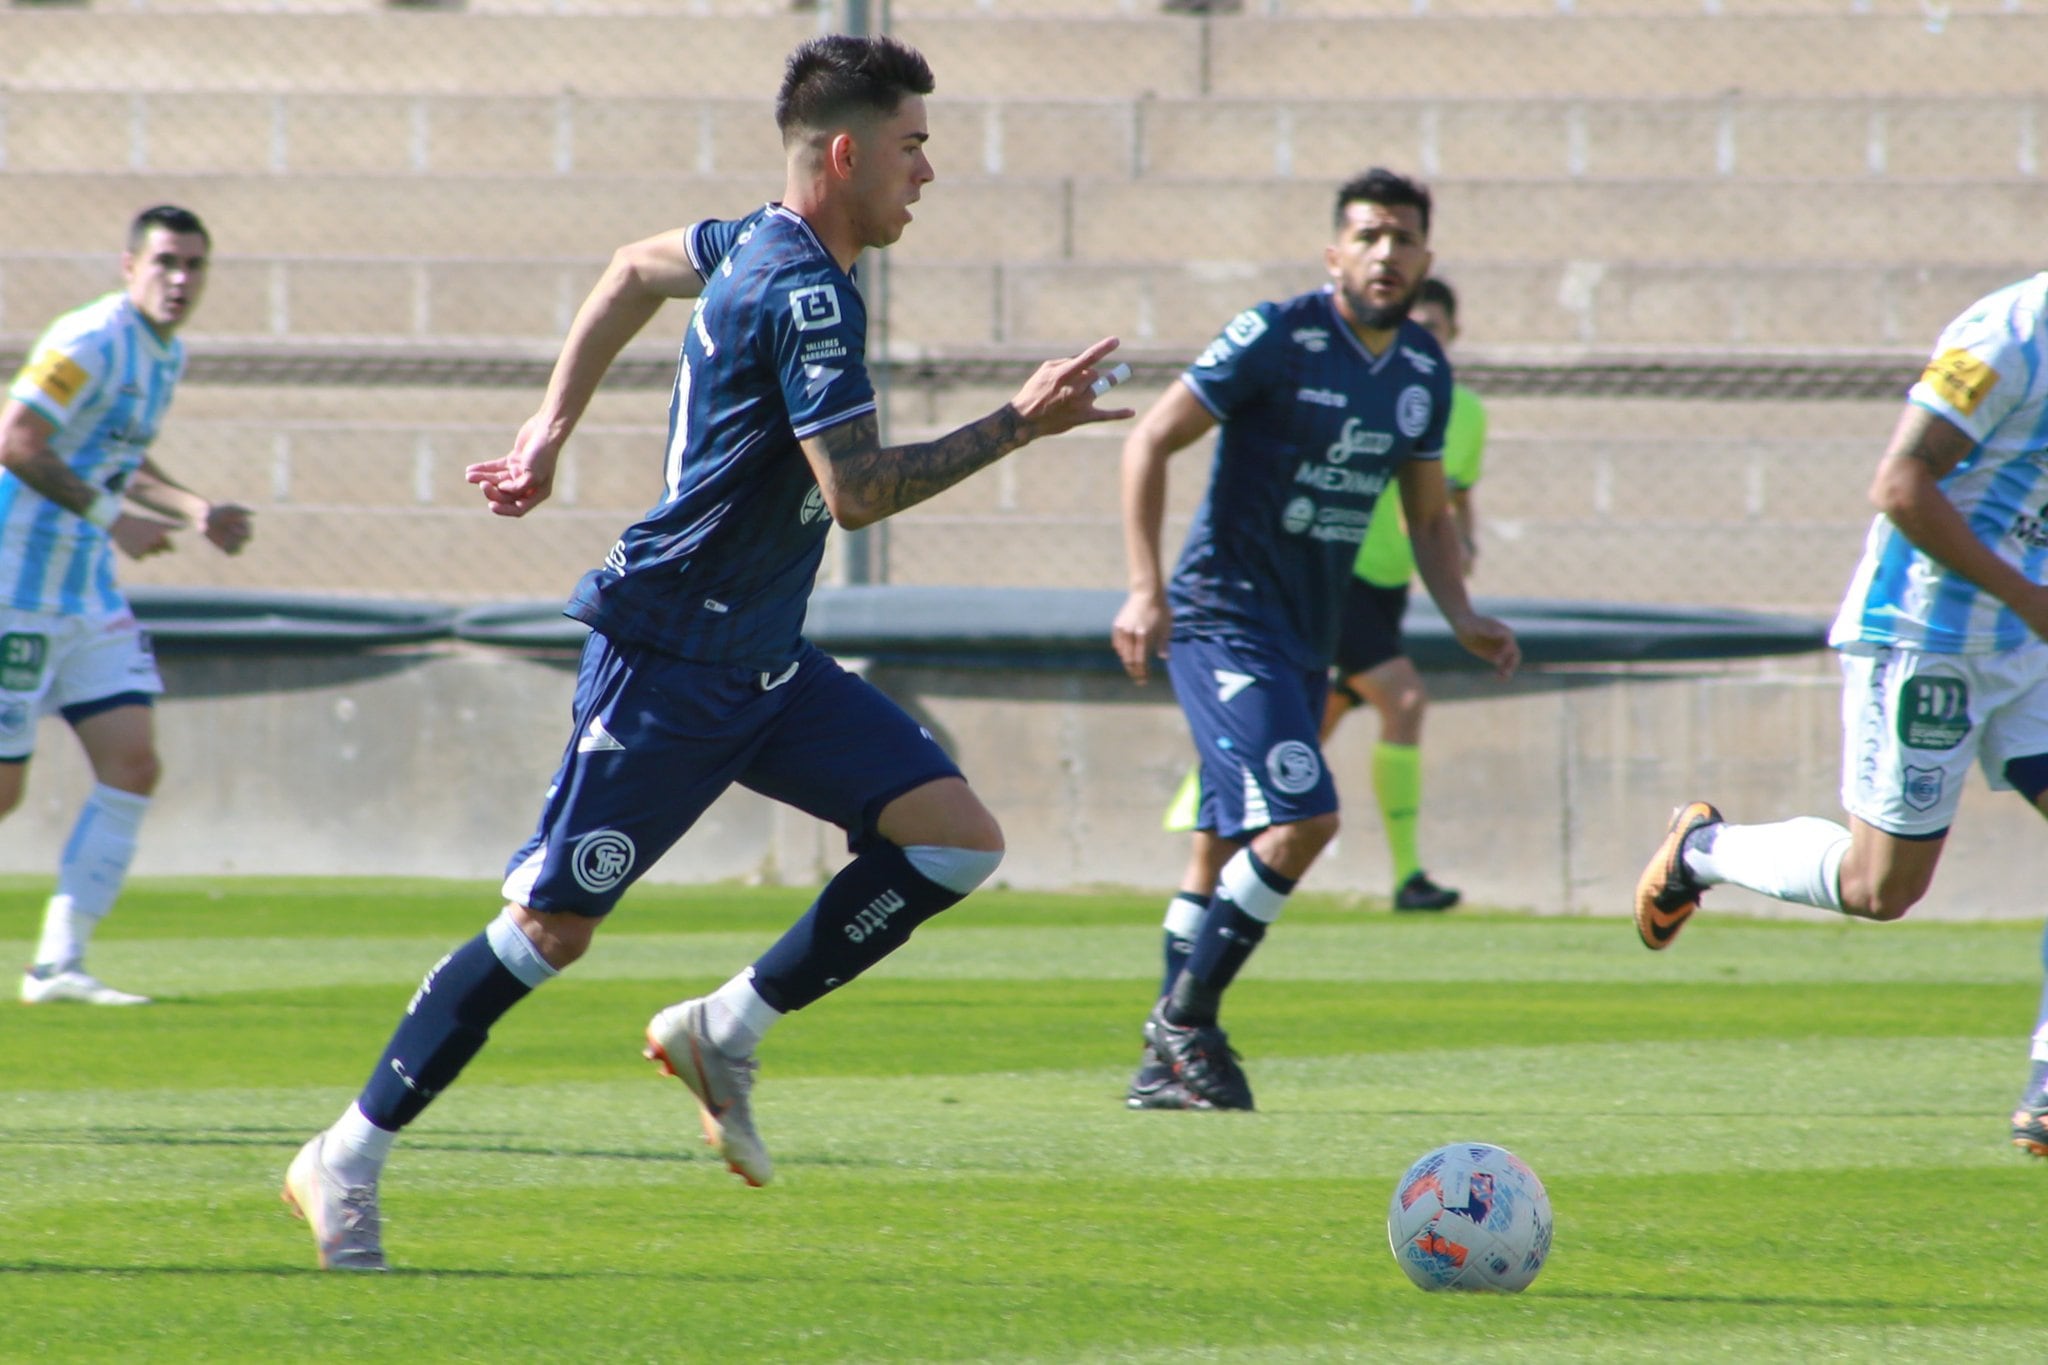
(559, 936)
(959, 870)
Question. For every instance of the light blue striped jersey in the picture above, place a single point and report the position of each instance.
(104, 379)
(1989, 378)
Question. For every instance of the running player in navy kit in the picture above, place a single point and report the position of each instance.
(1323, 400)
(696, 674)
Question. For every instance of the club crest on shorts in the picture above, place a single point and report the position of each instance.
(1922, 787)
(600, 860)
(1293, 767)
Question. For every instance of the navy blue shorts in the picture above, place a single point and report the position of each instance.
(658, 739)
(1255, 718)
(1371, 633)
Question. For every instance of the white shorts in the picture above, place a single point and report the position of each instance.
(1913, 722)
(50, 662)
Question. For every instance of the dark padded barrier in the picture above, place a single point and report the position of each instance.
(206, 619)
(1069, 629)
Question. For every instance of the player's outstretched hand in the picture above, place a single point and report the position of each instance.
(516, 483)
(1491, 640)
(1062, 394)
(1139, 633)
(228, 525)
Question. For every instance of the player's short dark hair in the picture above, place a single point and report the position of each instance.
(840, 75)
(1434, 290)
(1388, 189)
(170, 218)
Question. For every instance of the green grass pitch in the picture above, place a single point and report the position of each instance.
(1776, 1142)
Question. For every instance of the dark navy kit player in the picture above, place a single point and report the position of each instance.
(1325, 402)
(696, 675)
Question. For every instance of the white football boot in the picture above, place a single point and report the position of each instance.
(74, 985)
(678, 1039)
(347, 1229)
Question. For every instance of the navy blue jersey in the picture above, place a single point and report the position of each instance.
(1314, 428)
(720, 570)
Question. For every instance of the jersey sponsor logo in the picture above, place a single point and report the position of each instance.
(1245, 328)
(1215, 353)
(14, 718)
(1229, 683)
(1922, 787)
(57, 376)
(615, 558)
(597, 739)
(600, 860)
(1934, 712)
(814, 509)
(1354, 439)
(1331, 479)
(1293, 767)
(1959, 379)
(1423, 362)
(1323, 398)
(1312, 339)
(815, 306)
(1411, 411)
(2031, 528)
(821, 349)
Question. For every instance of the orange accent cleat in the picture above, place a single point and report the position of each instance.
(1666, 894)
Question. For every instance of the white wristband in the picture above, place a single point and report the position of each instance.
(104, 509)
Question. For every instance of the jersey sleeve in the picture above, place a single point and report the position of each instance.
(712, 240)
(817, 323)
(1430, 444)
(63, 371)
(1236, 367)
(1978, 375)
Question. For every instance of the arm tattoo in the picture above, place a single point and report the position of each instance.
(887, 481)
(48, 475)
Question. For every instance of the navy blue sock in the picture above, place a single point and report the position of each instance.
(863, 915)
(1224, 944)
(1178, 948)
(444, 1026)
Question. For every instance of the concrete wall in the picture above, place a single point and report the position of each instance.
(1546, 793)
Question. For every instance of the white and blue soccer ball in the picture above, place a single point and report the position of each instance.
(1470, 1216)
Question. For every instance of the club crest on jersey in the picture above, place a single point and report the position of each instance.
(1292, 767)
(1411, 411)
(1299, 515)
(600, 860)
(14, 718)
(815, 306)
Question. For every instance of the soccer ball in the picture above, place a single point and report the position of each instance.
(1470, 1216)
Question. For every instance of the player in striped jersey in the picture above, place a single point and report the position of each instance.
(1944, 650)
(696, 675)
(74, 440)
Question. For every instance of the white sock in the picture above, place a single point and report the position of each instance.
(65, 932)
(355, 1148)
(738, 1017)
(1797, 860)
(90, 872)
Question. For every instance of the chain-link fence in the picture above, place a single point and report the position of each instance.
(1700, 248)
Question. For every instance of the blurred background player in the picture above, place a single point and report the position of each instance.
(1943, 657)
(696, 674)
(1323, 399)
(74, 440)
(1372, 664)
